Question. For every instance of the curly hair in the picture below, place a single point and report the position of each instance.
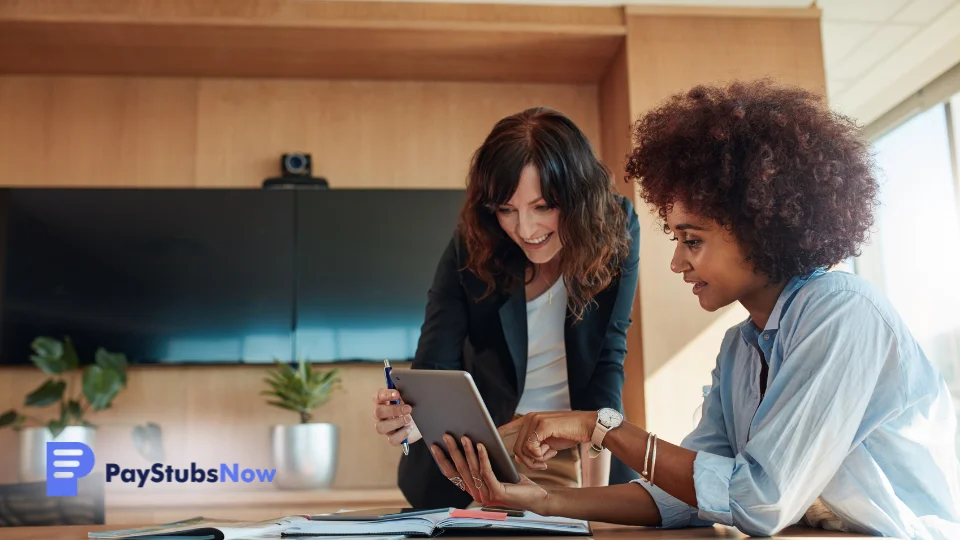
(592, 226)
(791, 179)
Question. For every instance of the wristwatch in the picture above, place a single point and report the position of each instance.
(607, 419)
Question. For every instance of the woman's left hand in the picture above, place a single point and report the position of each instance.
(540, 435)
(472, 472)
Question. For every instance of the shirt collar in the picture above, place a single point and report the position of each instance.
(750, 332)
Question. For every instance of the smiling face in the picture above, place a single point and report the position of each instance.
(529, 221)
(712, 261)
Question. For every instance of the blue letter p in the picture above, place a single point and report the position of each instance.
(66, 463)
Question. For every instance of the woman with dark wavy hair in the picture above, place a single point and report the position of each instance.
(824, 411)
(532, 296)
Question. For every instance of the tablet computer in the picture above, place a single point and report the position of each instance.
(447, 401)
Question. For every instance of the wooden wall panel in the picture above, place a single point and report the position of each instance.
(670, 53)
(616, 124)
(364, 134)
(88, 131)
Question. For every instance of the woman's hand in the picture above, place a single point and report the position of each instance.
(471, 471)
(394, 421)
(541, 435)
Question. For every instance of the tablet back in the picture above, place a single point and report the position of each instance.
(447, 401)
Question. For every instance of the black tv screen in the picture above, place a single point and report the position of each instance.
(220, 275)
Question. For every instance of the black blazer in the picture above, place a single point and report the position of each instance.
(489, 339)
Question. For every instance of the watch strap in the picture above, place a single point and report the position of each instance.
(596, 440)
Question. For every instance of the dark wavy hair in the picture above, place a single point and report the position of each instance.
(592, 224)
(792, 180)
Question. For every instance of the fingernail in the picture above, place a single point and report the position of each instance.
(464, 441)
(407, 420)
(406, 409)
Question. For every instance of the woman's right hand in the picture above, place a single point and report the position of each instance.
(394, 421)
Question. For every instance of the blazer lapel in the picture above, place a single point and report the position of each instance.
(513, 318)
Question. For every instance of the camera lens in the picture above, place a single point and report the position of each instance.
(295, 163)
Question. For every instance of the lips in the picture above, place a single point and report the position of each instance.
(537, 242)
(698, 286)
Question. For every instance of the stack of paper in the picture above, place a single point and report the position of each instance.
(426, 525)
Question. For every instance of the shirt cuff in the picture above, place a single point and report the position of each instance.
(674, 513)
(711, 478)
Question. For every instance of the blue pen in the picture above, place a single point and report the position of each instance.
(386, 371)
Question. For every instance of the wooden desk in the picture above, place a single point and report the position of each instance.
(602, 531)
(130, 507)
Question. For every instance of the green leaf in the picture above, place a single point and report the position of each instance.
(113, 361)
(70, 358)
(300, 389)
(8, 418)
(50, 392)
(56, 427)
(100, 386)
(73, 411)
(49, 355)
(284, 405)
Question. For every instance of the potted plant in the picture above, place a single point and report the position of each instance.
(100, 383)
(304, 454)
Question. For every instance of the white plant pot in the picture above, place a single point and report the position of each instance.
(33, 448)
(305, 455)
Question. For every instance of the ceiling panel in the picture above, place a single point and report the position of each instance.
(922, 11)
(843, 38)
(860, 10)
(873, 50)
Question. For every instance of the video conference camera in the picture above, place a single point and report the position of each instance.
(296, 171)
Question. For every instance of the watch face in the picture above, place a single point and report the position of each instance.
(609, 418)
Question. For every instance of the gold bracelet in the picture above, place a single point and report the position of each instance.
(646, 458)
(653, 466)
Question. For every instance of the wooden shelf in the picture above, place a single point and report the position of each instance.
(293, 39)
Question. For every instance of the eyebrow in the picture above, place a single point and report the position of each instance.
(535, 201)
(688, 227)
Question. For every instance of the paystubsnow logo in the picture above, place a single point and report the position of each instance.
(160, 474)
(67, 462)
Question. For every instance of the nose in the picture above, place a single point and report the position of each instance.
(526, 225)
(679, 262)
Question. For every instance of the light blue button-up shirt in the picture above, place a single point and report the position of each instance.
(854, 414)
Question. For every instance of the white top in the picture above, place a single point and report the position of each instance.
(546, 387)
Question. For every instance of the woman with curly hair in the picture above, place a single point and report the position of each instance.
(824, 410)
(532, 296)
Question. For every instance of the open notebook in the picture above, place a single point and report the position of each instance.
(428, 525)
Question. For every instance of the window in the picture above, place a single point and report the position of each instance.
(914, 255)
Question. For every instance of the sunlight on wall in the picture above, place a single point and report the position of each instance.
(674, 391)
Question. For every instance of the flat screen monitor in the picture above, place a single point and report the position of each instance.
(162, 275)
(220, 275)
(365, 262)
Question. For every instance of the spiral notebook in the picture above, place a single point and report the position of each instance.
(433, 524)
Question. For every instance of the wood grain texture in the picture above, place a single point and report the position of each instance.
(160, 132)
(615, 121)
(670, 54)
(319, 13)
(287, 39)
